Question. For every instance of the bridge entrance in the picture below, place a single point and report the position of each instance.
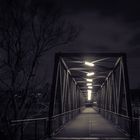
(90, 93)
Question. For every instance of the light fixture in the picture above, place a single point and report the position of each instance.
(90, 87)
(89, 95)
(90, 73)
(89, 84)
(89, 80)
(89, 64)
(89, 91)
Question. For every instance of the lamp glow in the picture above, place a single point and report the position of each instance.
(89, 80)
(89, 84)
(90, 87)
(89, 91)
(90, 73)
(89, 95)
(89, 64)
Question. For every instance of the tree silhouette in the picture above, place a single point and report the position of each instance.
(28, 30)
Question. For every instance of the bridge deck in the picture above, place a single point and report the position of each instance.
(90, 124)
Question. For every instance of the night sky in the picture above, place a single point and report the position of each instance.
(105, 26)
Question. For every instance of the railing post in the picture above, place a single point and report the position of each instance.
(21, 136)
(45, 127)
(36, 135)
(49, 127)
(138, 127)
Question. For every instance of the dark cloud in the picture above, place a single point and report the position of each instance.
(135, 41)
(136, 53)
(128, 10)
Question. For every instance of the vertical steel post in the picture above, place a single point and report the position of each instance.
(128, 96)
(52, 96)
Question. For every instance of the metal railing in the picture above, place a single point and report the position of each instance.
(122, 121)
(30, 129)
(36, 128)
(131, 127)
(136, 122)
(58, 121)
(136, 128)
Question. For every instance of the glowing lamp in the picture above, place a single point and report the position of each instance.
(90, 73)
(90, 87)
(89, 84)
(89, 80)
(89, 95)
(89, 64)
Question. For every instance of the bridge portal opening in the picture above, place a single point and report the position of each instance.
(98, 80)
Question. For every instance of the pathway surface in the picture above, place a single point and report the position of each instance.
(90, 124)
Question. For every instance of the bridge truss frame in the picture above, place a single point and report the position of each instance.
(113, 98)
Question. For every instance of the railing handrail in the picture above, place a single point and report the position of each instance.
(39, 119)
(28, 120)
(65, 113)
(124, 116)
(135, 118)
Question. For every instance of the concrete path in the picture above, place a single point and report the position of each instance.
(90, 124)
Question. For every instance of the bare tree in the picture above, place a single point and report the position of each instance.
(28, 30)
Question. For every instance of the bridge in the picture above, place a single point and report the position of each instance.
(90, 99)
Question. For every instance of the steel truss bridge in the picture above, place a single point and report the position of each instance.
(109, 115)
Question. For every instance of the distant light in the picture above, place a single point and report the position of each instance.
(90, 87)
(89, 64)
(89, 91)
(90, 73)
(89, 84)
(89, 80)
(89, 95)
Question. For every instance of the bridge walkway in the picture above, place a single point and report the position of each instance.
(90, 125)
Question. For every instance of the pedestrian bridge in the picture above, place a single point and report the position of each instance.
(97, 80)
(89, 99)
